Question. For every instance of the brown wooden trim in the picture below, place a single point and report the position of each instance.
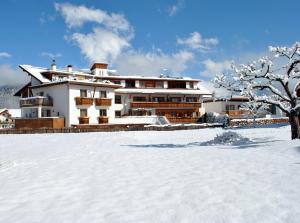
(102, 119)
(103, 101)
(99, 66)
(84, 101)
(84, 120)
(182, 120)
(36, 123)
(165, 104)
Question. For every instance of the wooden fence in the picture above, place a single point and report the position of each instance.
(109, 128)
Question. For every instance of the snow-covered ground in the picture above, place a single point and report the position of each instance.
(171, 177)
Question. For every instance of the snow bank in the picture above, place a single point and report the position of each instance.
(228, 138)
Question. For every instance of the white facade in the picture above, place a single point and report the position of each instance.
(56, 93)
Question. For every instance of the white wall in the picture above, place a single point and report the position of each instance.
(220, 106)
(59, 94)
(93, 110)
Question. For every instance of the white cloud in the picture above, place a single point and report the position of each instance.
(77, 16)
(174, 9)
(106, 41)
(51, 55)
(196, 42)
(213, 68)
(153, 63)
(4, 55)
(11, 76)
(100, 45)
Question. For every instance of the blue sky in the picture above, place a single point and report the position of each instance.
(186, 37)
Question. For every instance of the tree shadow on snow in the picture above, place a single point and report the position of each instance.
(255, 143)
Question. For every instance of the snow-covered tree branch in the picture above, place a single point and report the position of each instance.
(270, 80)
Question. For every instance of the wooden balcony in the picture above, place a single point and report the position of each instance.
(36, 101)
(103, 101)
(237, 113)
(165, 105)
(102, 119)
(84, 101)
(36, 123)
(84, 120)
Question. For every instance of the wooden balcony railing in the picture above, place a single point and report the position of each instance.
(237, 113)
(83, 101)
(165, 104)
(84, 120)
(103, 101)
(36, 101)
(102, 119)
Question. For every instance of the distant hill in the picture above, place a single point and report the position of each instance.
(7, 100)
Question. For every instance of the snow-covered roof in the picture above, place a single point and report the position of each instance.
(15, 113)
(140, 77)
(107, 84)
(3, 110)
(162, 91)
(35, 72)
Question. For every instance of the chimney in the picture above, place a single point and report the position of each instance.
(53, 65)
(99, 69)
(70, 68)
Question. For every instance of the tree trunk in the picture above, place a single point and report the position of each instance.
(295, 125)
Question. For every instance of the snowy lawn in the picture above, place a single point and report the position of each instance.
(150, 177)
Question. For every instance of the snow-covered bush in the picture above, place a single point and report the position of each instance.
(213, 117)
(227, 138)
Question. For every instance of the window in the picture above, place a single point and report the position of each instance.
(83, 93)
(159, 84)
(175, 99)
(230, 107)
(176, 84)
(191, 99)
(142, 84)
(103, 94)
(83, 113)
(46, 112)
(130, 83)
(158, 99)
(117, 82)
(191, 84)
(102, 112)
(139, 98)
(118, 99)
(118, 114)
(41, 93)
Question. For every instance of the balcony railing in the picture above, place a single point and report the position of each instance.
(237, 113)
(165, 104)
(36, 101)
(84, 120)
(102, 119)
(83, 101)
(103, 101)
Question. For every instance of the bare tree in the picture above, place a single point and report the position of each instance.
(271, 80)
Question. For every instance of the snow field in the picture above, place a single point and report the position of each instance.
(150, 177)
